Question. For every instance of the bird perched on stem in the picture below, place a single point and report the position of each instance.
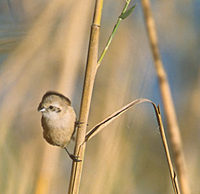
(58, 120)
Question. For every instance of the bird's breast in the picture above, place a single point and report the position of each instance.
(58, 131)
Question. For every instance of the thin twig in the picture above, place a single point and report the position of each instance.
(173, 128)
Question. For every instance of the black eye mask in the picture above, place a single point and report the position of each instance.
(54, 109)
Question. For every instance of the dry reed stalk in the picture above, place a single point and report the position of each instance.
(101, 125)
(86, 98)
(70, 52)
(92, 65)
(173, 128)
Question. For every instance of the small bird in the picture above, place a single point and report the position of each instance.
(58, 120)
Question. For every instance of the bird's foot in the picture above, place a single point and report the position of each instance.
(73, 157)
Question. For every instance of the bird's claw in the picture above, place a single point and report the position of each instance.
(74, 158)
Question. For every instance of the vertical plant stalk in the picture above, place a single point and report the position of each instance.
(173, 128)
(86, 98)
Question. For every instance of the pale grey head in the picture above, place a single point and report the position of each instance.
(53, 102)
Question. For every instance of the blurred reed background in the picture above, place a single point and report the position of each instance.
(43, 46)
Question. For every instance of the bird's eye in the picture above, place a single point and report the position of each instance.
(51, 107)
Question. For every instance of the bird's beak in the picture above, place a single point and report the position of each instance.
(41, 108)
